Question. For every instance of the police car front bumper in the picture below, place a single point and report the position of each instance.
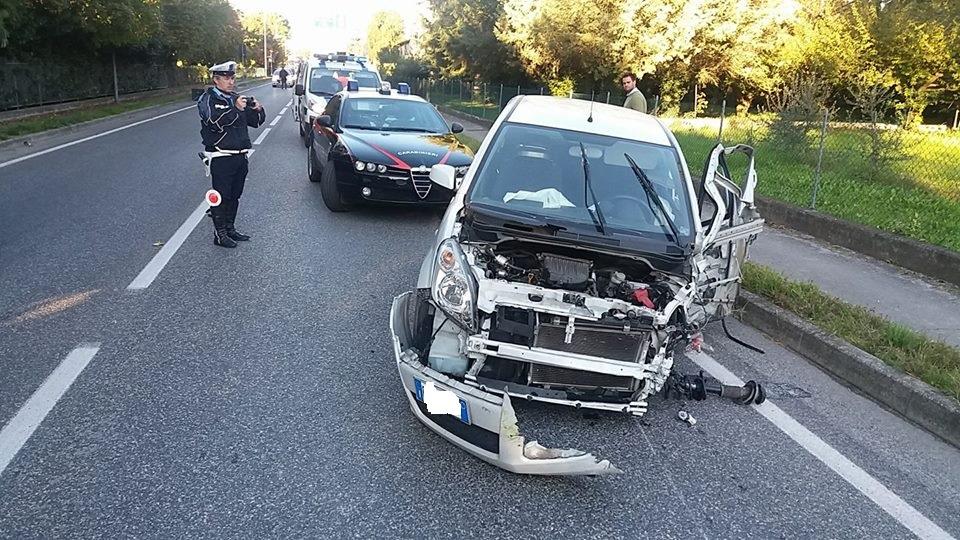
(482, 423)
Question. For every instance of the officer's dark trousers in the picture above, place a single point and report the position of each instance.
(229, 174)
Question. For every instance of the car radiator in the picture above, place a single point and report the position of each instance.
(591, 341)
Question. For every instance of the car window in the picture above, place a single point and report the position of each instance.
(392, 115)
(538, 169)
(325, 82)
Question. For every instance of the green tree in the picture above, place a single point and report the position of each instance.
(462, 40)
(277, 29)
(565, 40)
(201, 31)
(385, 35)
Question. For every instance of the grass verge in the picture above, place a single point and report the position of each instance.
(933, 362)
(37, 124)
(29, 126)
(916, 194)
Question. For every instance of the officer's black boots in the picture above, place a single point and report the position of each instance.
(220, 235)
(231, 215)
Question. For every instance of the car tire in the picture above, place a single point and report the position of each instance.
(305, 132)
(302, 132)
(330, 190)
(314, 173)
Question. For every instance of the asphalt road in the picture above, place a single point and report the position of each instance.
(253, 393)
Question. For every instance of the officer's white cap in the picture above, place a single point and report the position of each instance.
(226, 68)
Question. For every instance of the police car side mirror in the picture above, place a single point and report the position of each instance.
(444, 175)
(325, 120)
(456, 127)
(298, 90)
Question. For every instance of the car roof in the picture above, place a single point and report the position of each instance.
(377, 95)
(573, 115)
(334, 65)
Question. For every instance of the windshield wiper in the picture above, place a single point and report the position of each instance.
(421, 130)
(596, 215)
(653, 199)
(361, 127)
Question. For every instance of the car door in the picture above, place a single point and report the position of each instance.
(730, 223)
(325, 137)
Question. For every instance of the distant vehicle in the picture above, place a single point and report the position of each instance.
(380, 147)
(321, 77)
(276, 78)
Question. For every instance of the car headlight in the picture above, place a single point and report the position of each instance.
(454, 285)
(461, 171)
(381, 169)
(359, 165)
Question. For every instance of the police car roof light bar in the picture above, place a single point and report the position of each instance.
(353, 85)
(403, 88)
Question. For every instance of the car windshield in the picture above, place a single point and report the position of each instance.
(539, 170)
(328, 81)
(384, 114)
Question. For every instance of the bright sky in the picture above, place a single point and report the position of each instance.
(332, 26)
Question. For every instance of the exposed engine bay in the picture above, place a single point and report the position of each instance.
(567, 326)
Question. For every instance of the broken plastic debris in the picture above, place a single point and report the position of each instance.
(158, 244)
(686, 417)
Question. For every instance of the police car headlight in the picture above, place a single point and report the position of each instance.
(381, 169)
(371, 167)
(461, 171)
(455, 288)
(359, 165)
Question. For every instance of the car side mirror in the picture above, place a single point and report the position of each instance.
(298, 90)
(324, 120)
(444, 175)
(456, 127)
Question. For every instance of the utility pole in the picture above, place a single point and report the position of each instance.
(266, 71)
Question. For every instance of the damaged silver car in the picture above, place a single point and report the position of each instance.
(575, 260)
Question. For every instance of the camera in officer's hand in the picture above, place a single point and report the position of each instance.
(252, 103)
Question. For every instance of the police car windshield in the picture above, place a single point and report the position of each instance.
(383, 114)
(328, 82)
(540, 170)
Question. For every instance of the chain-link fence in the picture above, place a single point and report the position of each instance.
(24, 84)
(845, 163)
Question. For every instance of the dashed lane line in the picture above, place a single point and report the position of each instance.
(890, 502)
(160, 260)
(262, 136)
(19, 429)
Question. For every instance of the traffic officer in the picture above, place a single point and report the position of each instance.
(224, 118)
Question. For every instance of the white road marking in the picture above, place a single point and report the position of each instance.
(156, 264)
(262, 136)
(283, 111)
(889, 501)
(98, 135)
(275, 120)
(19, 429)
(289, 103)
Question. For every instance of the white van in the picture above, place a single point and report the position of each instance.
(321, 77)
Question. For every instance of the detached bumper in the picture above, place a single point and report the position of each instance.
(488, 428)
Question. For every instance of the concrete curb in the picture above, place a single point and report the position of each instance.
(927, 259)
(904, 394)
(464, 116)
(73, 127)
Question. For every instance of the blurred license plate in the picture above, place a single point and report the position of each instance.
(440, 401)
